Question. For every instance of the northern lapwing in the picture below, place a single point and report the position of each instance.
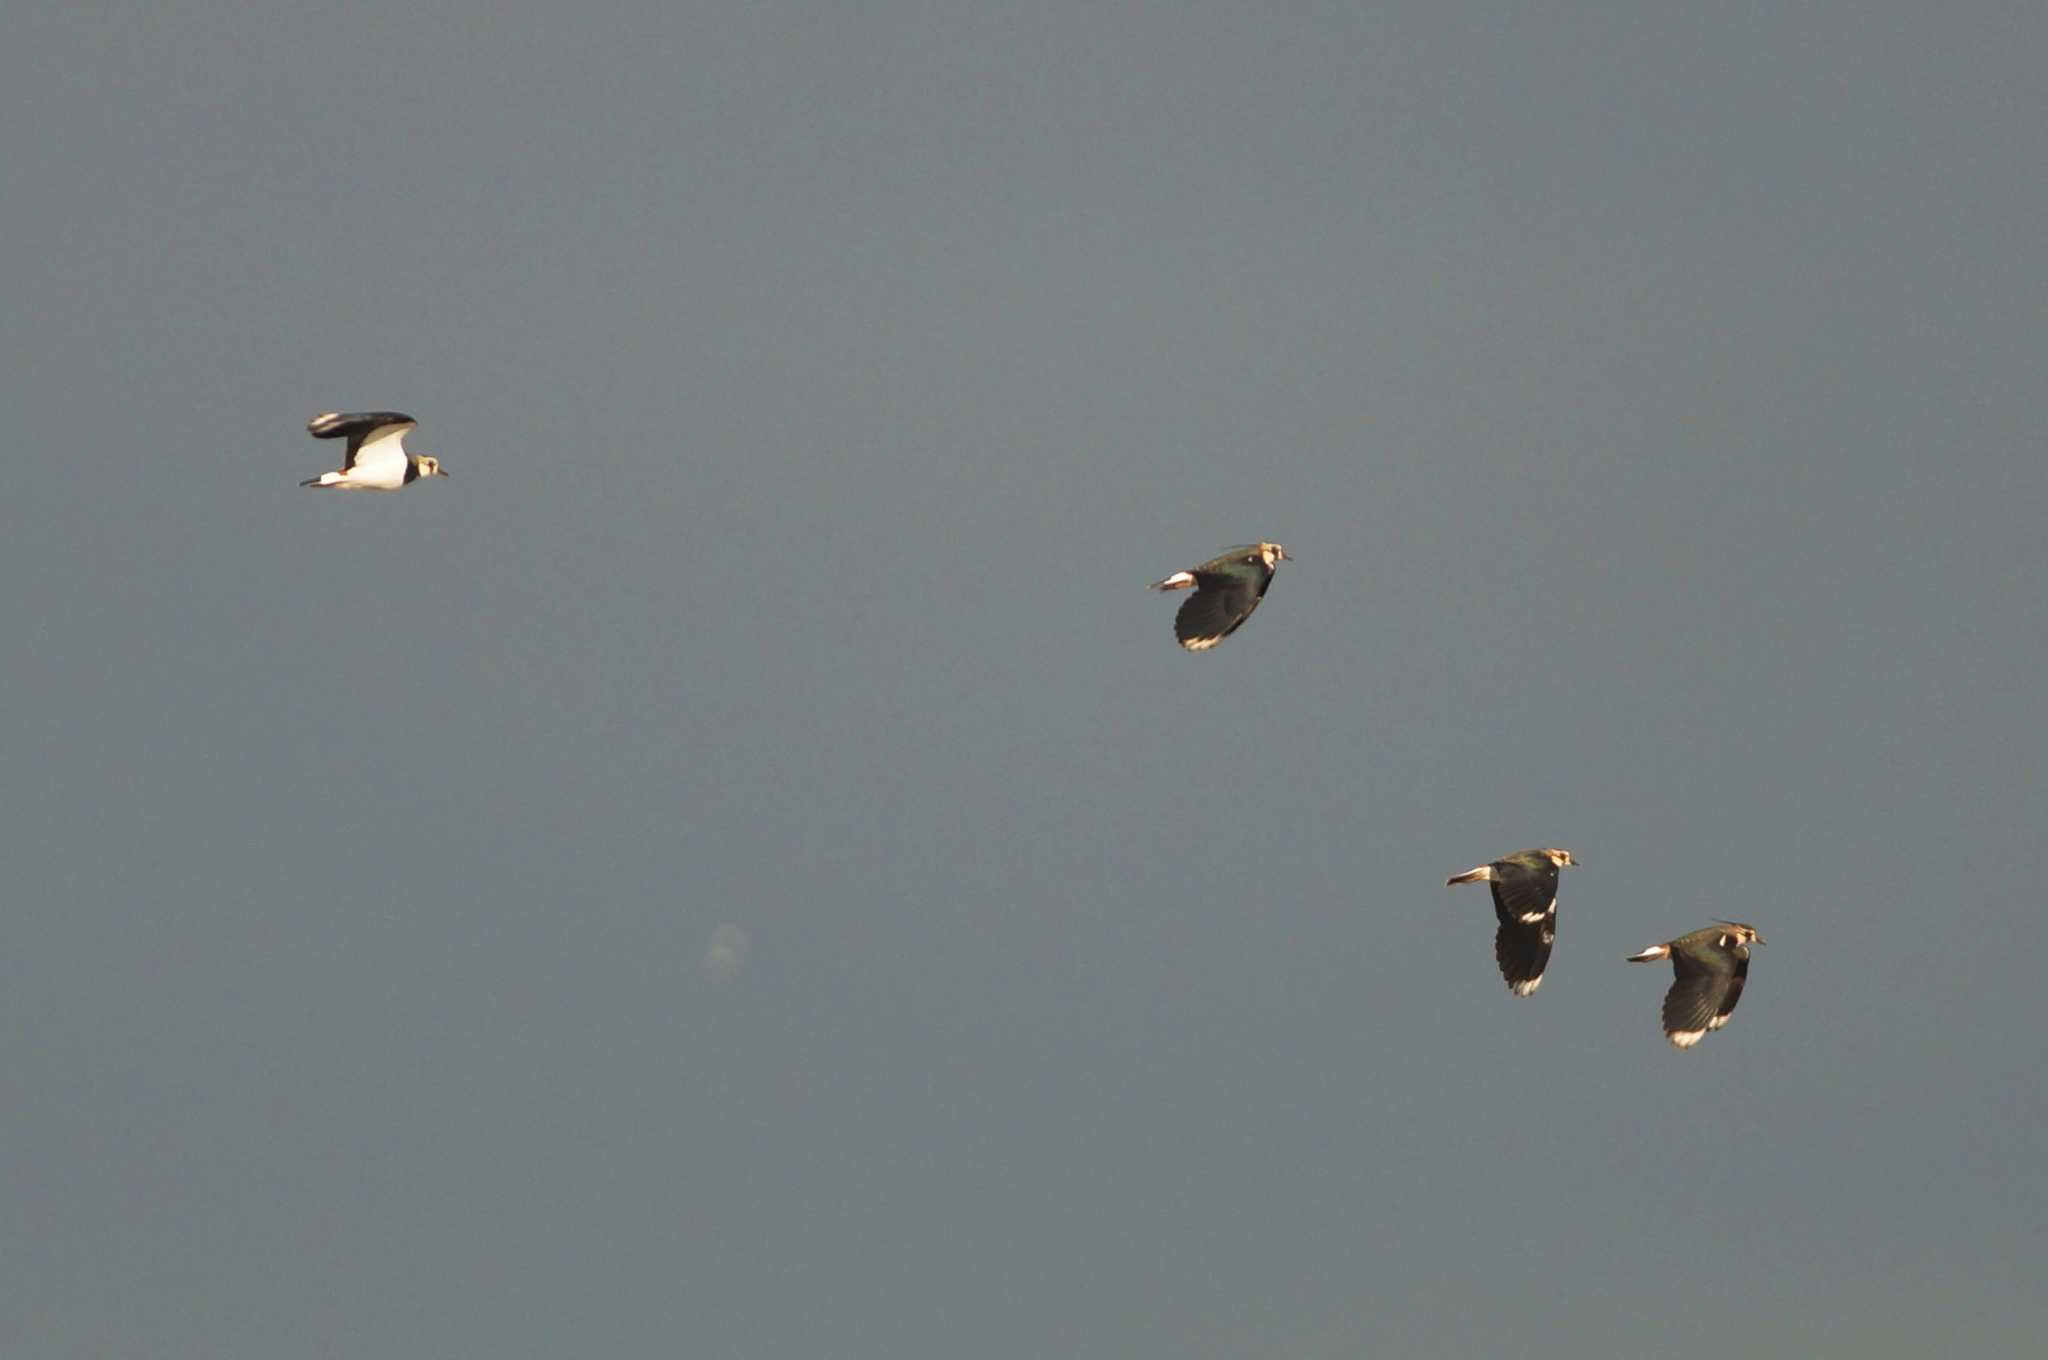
(1525, 903)
(1711, 966)
(1228, 587)
(377, 460)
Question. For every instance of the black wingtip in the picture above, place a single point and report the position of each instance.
(337, 424)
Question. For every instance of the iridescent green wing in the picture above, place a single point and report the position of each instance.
(1709, 980)
(1227, 589)
(1524, 887)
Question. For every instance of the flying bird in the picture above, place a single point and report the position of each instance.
(377, 460)
(1525, 902)
(1711, 966)
(1227, 587)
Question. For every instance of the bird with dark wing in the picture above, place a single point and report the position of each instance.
(1228, 587)
(376, 459)
(1525, 903)
(1711, 967)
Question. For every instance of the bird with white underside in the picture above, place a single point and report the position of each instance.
(377, 460)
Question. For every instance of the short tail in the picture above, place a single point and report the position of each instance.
(1479, 875)
(1652, 954)
(312, 481)
(1180, 580)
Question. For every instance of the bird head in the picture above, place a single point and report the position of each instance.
(1561, 858)
(1273, 552)
(1741, 933)
(430, 466)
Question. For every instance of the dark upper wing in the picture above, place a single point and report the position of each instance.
(1706, 988)
(1227, 590)
(1219, 606)
(1523, 952)
(1523, 892)
(1735, 984)
(360, 428)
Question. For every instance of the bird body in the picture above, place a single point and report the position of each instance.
(1711, 967)
(1228, 587)
(1525, 904)
(377, 460)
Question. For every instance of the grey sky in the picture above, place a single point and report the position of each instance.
(741, 868)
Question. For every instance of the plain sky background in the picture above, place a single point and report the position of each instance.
(742, 870)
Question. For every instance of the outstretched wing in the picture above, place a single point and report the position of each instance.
(1523, 952)
(1217, 609)
(376, 439)
(1709, 980)
(1227, 590)
(1523, 891)
(1735, 984)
